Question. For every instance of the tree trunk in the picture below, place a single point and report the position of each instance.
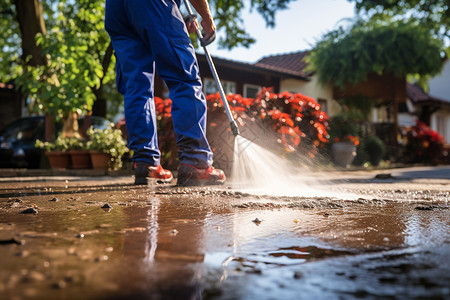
(70, 125)
(30, 17)
(100, 105)
(99, 108)
(49, 127)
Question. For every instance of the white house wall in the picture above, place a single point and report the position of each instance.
(312, 89)
(439, 86)
(443, 117)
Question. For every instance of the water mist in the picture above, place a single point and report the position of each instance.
(259, 171)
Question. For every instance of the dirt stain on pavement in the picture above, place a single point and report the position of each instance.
(112, 240)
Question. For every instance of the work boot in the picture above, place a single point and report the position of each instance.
(189, 175)
(143, 172)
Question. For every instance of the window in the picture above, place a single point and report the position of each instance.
(210, 86)
(251, 90)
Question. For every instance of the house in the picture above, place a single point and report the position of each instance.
(432, 108)
(239, 77)
(429, 109)
(310, 86)
(384, 91)
(281, 72)
(439, 87)
(397, 103)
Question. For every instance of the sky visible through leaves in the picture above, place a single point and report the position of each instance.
(296, 29)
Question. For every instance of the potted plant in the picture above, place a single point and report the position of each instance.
(57, 152)
(344, 133)
(344, 150)
(79, 153)
(106, 147)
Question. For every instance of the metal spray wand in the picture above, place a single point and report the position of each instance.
(204, 43)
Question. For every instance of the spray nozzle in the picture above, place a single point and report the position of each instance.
(234, 128)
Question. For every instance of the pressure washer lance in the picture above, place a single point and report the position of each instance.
(191, 18)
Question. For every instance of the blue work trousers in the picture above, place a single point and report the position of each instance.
(145, 33)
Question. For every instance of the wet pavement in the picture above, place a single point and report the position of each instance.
(376, 235)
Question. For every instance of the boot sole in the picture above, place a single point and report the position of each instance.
(146, 181)
(198, 182)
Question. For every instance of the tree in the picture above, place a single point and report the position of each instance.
(399, 48)
(433, 14)
(33, 11)
(59, 54)
(61, 69)
(380, 50)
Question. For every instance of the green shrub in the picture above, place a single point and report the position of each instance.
(375, 149)
(109, 141)
(371, 149)
(60, 144)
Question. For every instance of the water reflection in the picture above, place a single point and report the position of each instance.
(191, 247)
(153, 227)
(170, 252)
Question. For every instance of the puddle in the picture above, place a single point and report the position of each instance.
(217, 244)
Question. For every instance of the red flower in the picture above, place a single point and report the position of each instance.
(296, 118)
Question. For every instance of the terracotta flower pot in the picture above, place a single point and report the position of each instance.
(58, 159)
(81, 159)
(100, 160)
(343, 153)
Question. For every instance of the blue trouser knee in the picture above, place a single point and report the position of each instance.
(145, 33)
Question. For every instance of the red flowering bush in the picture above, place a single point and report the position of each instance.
(295, 121)
(424, 145)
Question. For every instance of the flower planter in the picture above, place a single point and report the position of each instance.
(100, 160)
(343, 153)
(81, 159)
(58, 159)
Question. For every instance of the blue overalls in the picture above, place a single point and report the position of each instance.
(145, 32)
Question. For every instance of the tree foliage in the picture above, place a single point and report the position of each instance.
(399, 48)
(76, 51)
(434, 14)
(10, 40)
(76, 62)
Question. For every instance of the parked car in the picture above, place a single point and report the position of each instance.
(18, 139)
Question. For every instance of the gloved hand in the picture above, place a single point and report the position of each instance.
(209, 33)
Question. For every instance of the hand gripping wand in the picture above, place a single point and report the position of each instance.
(204, 43)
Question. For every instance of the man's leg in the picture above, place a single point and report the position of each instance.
(135, 73)
(175, 60)
(160, 26)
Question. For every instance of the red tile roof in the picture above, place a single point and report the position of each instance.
(419, 96)
(293, 63)
(283, 72)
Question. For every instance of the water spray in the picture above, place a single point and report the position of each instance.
(204, 42)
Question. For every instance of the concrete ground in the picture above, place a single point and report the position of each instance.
(344, 235)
